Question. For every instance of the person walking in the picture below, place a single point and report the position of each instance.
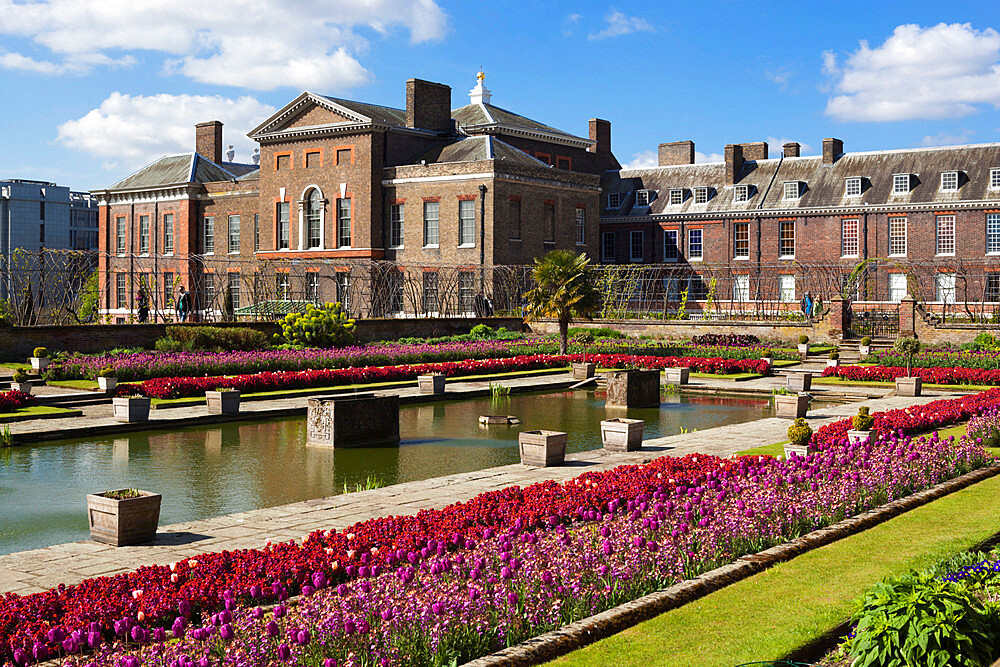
(807, 305)
(183, 305)
(142, 305)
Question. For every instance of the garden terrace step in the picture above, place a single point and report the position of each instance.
(74, 400)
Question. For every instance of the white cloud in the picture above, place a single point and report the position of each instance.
(700, 157)
(947, 138)
(643, 160)
(259, 44)
(945, 71)
(133, 130)
(775, 146)
(570, 22)
(618, 24)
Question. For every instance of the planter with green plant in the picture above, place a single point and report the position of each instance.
(804, 345)
(908, 386)
(865, 347)
(862, 422)
(223, 401)
(620, 434)
(123, 516)
(798, 381)
(107, 379)
(20, 381)
(40, 359)
(833, 361)
(131, 409)
(790, 405)
(585, 369)
(432, 383)
(799, 436)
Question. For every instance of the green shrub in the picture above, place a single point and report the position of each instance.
(107, 372)
(866, 341)
(920, 619)
(907, 346)
(596, 332)
(799, 433)
(40, 352)
(183, 338)
(835, 355)
(20, 375)
(327, 326)
(984, 342)
(803, 339)
(862, 421)
(483, 331)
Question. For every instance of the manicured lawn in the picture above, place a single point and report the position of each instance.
(877, 383)
(772, 613)
(35, 412)
(14, 365)
(73, 384)
(728, 376)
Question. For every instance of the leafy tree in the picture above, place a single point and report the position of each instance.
(908, 346)
(564, 290)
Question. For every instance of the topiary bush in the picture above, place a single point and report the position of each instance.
(803, 339)
(835, 355)
(107, 372)
(40, 352)
(326, 326)
(20, 376)
(862, 421)
(799, 433)
(866, 341)
(907, 346)
(483, 331)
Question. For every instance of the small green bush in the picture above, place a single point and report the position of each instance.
(190, 339)
(483, 331)
(799, 433)
(835, 355)
(984, 342)
(862, 421)
(20, 375)
(41, 352)
(596, 332)
(866, 341)
(107, 372)
(803, 339)
(326, 326)
(907, 346)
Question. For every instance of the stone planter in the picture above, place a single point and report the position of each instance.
(797, 450)
(678, 376)
(131, 409)
(908, 386)
(502, 420)
(123, 522)
(622, 435)
(431, 384)
(223, 402)
(39, 364)
(858, 437)
(107, 384)
(791, 406)
(799, 381)
(353, 420)
(832, 363)
(542, 448)
(23, 387)
(804, 349)
(633, 389)
(583, 370)
(864, 350)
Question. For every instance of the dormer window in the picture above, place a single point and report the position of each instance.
(642, 198)
(949, 181)
(676, 196)
(852, 187)
(900, 184)
(994, 179)
(701, 195)
(793, 190)
(741, 193)
(614, 200)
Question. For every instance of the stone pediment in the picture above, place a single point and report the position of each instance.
(317, 115)
(308, 110)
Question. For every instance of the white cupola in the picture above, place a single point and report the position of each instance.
(479, 94)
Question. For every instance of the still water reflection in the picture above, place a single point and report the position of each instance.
(208, 471)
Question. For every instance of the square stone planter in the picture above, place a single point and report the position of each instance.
(678, 376)
(107, 385)
(353, 420)
(622, 435)
(542, 448)
(797, 450)
(431, 384)
(804, 349)
(832, 363)
(123, 522)
(131, 408)
(864, 350)
(223, 402)
(858, 437)
(633, 389)
(908, 386)
(583, 370)
(791, 406)
(799, 381)
(39, 364)
(23, 387)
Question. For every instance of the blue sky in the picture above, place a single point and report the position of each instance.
(92, 89)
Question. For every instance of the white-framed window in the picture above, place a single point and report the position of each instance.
(636, 245)
(466, 291)
(344, 223)
(897, 237)
(314, 211)
(945, 235)
(608, 247)
(900, 184)
(993, 233)
(701, 195)
(676, 196)
(786, 239)
(642, 198)
(256, 232)
(466, 222)
(852, 187)
(949, 181)
(234, 233)
(741, 240)
(581, 225)
(168, 233)
(208, 234)
(694, 244)
(994, 179)
(143, 233)
(344, 289)
(670, 250)
(282, 225)
(431, 211)
(207, 291)
(741, 193)
(993, 287)
(897, 287)
(121, 290)
(614, 200)
(234, 289)
(396, 214)
(282, 291)
(944, 288)
(849, 237)
(168, 289)
(430, 285)
(786, 288)
(312, 286)
(120, 235)
(741, 288)
(792, 190)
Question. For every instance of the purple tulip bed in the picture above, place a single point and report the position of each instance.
(448, 602)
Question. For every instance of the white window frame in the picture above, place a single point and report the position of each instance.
(788, 193)
(944, 287)
(853, 186)
(695, 249)
(581, 225)
(781, 224)
(676, 196)
(995, 179)
(397, 215)
(282, 287)
(466, 223)
(741, 287)
(701, 195)
(675, 255)
(850, 242)
(993, 237)
(284, 226)
(786, 288)
(632, 236)
(894, 239)
(949, 181)
(312, 286)
(168, 233)
(143, 234)
(121, 237)
(614, 201)
(233, 240)
(896, 282)
(208, 234)
(436, 236)
(944, 235)
(642, 198)
(741, 194)
(738, 226)
(899, 186)
(605, 256)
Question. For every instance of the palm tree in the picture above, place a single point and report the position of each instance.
(564, 289)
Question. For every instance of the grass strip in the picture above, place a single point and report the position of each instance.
(771, 614)
(37, 412)
(879, 383)
(73, 384)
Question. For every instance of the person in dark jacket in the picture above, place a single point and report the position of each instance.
(183, 305)
(142, 305)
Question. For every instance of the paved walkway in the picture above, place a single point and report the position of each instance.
(41, 569)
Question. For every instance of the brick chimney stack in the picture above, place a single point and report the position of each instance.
(832, 150)
(208, 140)
(675, 152)
(600, 133)
(755, 150)
(428, 105)
(734, 162)
(792, 149)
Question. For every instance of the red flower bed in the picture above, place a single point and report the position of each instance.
(180, 387)
(13, 400)
(935, 375)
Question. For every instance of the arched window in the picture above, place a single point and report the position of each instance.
(314, 208)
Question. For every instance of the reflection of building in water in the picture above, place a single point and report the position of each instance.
(213, 443)
(119, 450)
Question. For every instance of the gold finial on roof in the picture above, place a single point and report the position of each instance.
(480, 76)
